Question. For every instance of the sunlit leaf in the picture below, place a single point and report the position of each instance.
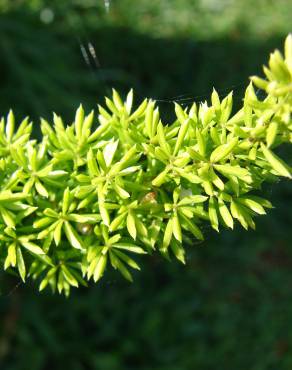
(72, 236)
(276, 163)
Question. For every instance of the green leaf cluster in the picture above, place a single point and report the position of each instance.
(95, 192)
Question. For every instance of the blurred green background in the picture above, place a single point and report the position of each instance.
(230, 307)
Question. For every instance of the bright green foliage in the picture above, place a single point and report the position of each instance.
(88, 196)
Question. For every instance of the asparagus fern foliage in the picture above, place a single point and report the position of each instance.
(94, 193)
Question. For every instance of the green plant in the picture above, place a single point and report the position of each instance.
(84, 198)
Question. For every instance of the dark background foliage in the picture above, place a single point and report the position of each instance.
(230, 307)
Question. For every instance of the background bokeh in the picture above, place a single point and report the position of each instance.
(230, 307)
